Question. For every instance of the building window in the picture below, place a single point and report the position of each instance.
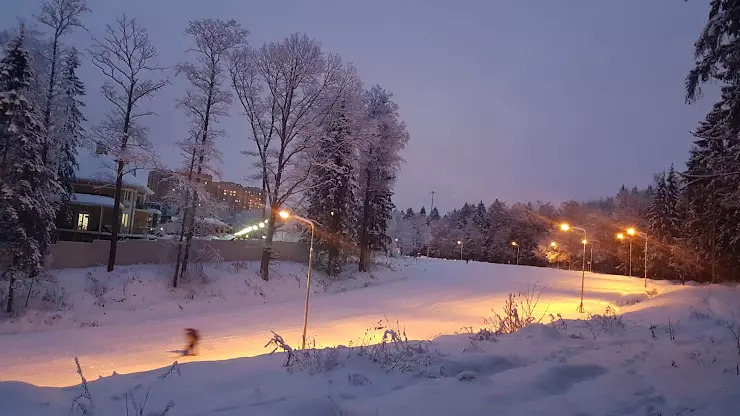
(124, 220)
(127, 194)
(83, 219)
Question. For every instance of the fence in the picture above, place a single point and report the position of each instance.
(74, 254)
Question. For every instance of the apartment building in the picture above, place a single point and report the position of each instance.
(235, 196)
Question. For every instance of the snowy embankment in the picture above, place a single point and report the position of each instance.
(671, 350)
(92, 297)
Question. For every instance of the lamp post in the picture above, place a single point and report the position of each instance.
(285, 215)
(566, 227)
(621, 236)
(632, 231)
(515, 244)
(591, 268)
(460, 243)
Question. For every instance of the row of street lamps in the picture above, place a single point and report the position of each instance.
(564, 227)
(513, 243)
(630, 231)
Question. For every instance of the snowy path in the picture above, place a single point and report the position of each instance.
(436, 297)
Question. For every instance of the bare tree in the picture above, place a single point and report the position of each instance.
(203, 103)
(128, 60)
(287, 89)
(61, 16)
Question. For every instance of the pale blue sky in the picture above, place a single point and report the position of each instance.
(517, 99)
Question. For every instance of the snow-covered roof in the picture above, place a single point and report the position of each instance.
(214, 221)
(101, 168)
(94, 200)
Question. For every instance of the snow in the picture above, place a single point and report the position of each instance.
(94, 200)
(668, 349)
(214, 221)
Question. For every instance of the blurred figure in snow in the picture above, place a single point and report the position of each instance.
(192, 337)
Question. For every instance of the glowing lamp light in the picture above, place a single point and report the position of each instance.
(620, 236)
(284, 214)
(584, 241)
(459, 242)
(262, 225)
(631, 231)
(564, 227)
(553, 244)
(514, 243)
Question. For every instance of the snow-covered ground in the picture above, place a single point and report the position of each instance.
(669, 351)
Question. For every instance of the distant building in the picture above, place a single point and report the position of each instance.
(235, 196)
(161, 181)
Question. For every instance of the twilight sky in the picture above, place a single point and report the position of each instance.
(509, 99)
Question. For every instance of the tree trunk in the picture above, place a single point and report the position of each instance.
(116, 218)
(189, 238)
(267, 250)
(9, 306)
(49, 97)
(119, 181)
(178, 260)
(363, 266)
(199, 171)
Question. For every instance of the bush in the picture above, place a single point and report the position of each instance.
(519, 311)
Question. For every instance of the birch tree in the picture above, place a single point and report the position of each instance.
(204, 102)
(287, 90)
(128, 60)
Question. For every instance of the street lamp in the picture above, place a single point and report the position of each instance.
(566, 227)
(621, 236)
(460, 243)
(591, 269)
(632, 231)
(285, 215)
(515, 244)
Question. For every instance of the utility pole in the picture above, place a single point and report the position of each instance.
(429, 223)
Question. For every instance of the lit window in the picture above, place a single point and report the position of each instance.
(124, 220)
(83, 218)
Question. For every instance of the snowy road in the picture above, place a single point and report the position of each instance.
(435, 297)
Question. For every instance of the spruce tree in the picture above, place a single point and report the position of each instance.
(657, 213)
(378, 166)
(26, 216)
(331, 199)
(713, 199)
(71, 131)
